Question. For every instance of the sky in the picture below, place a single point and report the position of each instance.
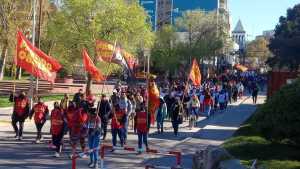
(258, 15)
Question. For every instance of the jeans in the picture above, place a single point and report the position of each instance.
(175, 125)
(15, 120)
(160, 125)
(207, 110)
(142, 138)
(120, 133)
(94, 142)
(57, 141)
(39, 127)
(104, 129)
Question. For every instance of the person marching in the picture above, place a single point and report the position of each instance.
(94, 133)
(84, 108)
(117, 125)
(75, 123)
(175, 115)
(20, 113)
(125, 106)
(104, 111)
(160, 116)
(57, 128)
(40, 112)
(195, 105)
(143, 125)
(208, 102)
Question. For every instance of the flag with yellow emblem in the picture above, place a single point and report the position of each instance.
(35, 61)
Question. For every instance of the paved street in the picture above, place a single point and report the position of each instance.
(213, 131)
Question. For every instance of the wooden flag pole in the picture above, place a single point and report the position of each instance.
(109, 65)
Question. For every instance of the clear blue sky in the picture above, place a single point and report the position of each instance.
(258, 15)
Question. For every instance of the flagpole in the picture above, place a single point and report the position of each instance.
(39, 42)
(148, 83)
(114, 49)
(33, 43)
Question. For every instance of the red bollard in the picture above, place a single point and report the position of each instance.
(73, 162)
(129, 148)
(178, 157)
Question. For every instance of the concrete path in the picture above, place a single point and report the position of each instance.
(213, 131)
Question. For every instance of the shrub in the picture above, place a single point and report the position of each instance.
(279, 118)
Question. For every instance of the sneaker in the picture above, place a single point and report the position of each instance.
(96, 166)
(56, 155)
(37, 141)
(84, 156)
(71, 156)
(20, 138)
(91, 165)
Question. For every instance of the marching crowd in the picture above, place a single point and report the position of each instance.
(87, 121)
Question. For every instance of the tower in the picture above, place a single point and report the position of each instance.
(239, 35)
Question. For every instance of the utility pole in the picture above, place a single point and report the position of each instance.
(33, 43)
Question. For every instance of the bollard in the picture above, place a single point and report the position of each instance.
(178, 157)
(73, 161)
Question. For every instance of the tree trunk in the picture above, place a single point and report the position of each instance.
(19, 73)
(3, 59)
(88, 83)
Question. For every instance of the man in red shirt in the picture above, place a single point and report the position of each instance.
(20, 113)
(117, 125)
(40, 112)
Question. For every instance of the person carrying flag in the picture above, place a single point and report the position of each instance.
(20, 113)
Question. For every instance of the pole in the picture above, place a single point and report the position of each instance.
(148, 82)
(33, 43)
(39, 42)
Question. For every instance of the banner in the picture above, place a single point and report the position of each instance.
(104, 50)
(90, 67)
(153, 100)
(34, 61)
(107, 52)
(195, 74)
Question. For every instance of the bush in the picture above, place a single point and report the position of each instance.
(279, 118)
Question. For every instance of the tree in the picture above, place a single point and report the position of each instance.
(285, 44)
(16, 15)
(206, 33)
(78, 24)
(163, 54)
(258, 48)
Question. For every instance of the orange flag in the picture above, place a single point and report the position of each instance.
(90, 67)
(104, 50)
(195, 74)
(153, 100)
(35, 61)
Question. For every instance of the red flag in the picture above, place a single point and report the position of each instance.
(90, 67)
(195, 74)
(130, 59)
(35, 61)
(153, 100)
(104, 50)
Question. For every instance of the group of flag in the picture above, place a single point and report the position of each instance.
(42, 66)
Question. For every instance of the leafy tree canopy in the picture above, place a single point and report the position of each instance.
(285, 45)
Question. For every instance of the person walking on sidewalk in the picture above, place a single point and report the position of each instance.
(58, 123)
(20, 113)
(143, 125)
(104, 111)
(255, 90)
(208, 103)
(195, 105)
(175, 115)
(94, 133)
(40, 112)
(160, 116)
(117, 125)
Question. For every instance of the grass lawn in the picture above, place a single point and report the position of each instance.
(4, 102)
(247, 145)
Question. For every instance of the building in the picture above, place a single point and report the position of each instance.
(239, 35)
(163, 12)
